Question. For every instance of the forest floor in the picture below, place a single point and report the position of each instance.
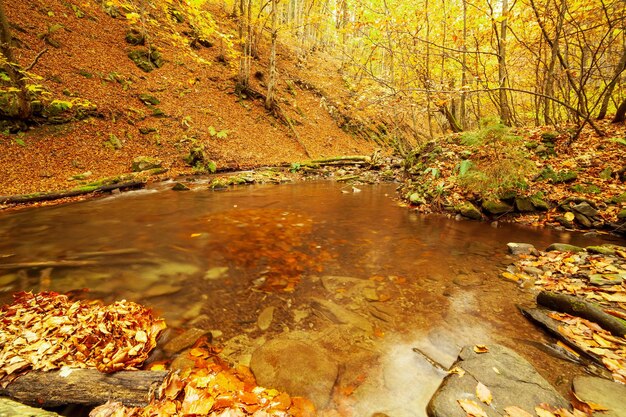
(87, 66)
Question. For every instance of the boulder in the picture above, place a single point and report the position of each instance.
(496, 207)
(522, 249)
(144, 163)
(601, 391)
(524, 204)
(583, 220)
(564, 247)
(179, 186)
(585, 209)
(299, 368)
(468, 210)
(539, 203)
(511, 380)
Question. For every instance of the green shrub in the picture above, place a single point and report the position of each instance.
(499, 163)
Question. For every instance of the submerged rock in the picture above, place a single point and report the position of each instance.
(511, 380)
(601, 391)
(299, 368)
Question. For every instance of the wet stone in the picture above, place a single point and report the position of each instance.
(585, 209)
(603, 250)
(564, 247)
(184, 340)
(265, 318)
(511, 380)
(601, 391)
(299, 368)
(522, 249)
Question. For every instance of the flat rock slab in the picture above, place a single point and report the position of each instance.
(10, 408)
(601, 391)
(299, 368)
(511, 380)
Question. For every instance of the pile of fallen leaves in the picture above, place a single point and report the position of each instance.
(595, 277)
(212, 388)
(599, 278)
(590, 337)
(48, 331)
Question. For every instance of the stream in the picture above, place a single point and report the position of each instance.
(353, 272)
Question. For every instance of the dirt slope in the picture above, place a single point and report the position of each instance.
(194, 87)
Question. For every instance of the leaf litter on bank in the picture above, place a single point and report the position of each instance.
(597, 278)
(214, 389)
(47, 331)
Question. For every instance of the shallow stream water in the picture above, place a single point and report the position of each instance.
(219, 260)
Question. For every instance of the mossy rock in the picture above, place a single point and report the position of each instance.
(417, 199)
(496, 207)
(602, 250)
(606, 173)
(539, 203)
(555, 177)
(135, 37)
(549, 137)
(564, 247)
(508, 196)
(586, 189)
(179, 186)
(147, 130)
(145, 163)
(149, 99)
(146, 59)
(616, 199)
(622, 214)
(467, 209)
(524, 204)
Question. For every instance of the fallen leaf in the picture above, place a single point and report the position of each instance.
(514, 411)
(483, 393)
(456, 370)
(471, 408)
(481, 349)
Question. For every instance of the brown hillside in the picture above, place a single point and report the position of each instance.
(91, 63)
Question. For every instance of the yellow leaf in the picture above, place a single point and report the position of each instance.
(514, 411)
(481, 349)
(483, 393)
(542, 412)
(471, 408)
(456, 370)
(196, 234)
(510, 276)
(569, 216)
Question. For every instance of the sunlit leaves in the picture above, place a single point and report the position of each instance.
(212, 387)
(47, 331)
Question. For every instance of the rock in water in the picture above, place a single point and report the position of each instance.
(511, 380)
(299, 368)
(564, 247)
(521, 249)
(601, 391)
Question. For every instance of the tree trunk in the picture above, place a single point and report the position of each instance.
(621, 66)
(620, 114)
(505, 111)
(12, 69)
(271, 84)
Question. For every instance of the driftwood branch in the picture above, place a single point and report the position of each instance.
(85, 386)
(584, 309)
(32, 64)
(36, 198)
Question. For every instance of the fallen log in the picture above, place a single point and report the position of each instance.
(39, 197)
(85, 386)
(583, 309)
(541, 317)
